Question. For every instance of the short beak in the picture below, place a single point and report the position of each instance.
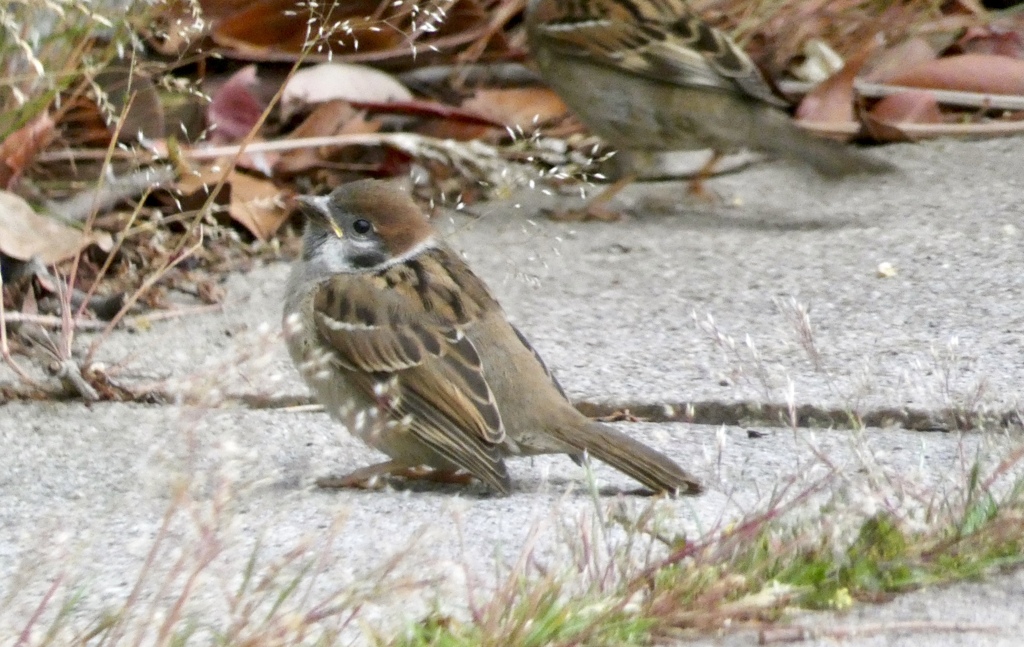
(313, 205)
(318, 207)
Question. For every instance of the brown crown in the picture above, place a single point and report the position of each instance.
(398, 220)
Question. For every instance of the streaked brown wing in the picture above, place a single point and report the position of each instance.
(658, 39)
(379, 324)
(437, 431)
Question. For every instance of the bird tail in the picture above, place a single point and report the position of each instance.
(630, 456)
(777, 134)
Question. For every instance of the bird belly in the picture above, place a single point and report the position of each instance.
(362, 416)
(633, 112)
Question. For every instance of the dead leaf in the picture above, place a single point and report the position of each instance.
(832, 101)
(993, 39)
(984, 73)
(895, 60)
(349, 82)
(489, 113)
(517, 107)
(327, 119)
(81, 124)
(235, 109)
(217, 9)
(201, 181)
(885, 121)
(18, 149)
(913, 106)
(24, 234)
(351, 31)
(429, 108)
(255, 204)
(252, 202)
(966, 7)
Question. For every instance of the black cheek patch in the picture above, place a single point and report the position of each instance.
(366, 259)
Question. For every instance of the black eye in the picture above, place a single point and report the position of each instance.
(362, 226)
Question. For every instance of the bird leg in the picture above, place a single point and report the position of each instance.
(451, 477)
(369, 477)
(697, 188)
(365, 478)
(597, 207)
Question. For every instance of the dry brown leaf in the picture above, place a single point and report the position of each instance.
(351, 31)
(489, 113)
(912, 106)
(774, 33)
(885, 121)
(895, 60)
(278, 29)
(252, 202)
(18, 149)
(256, 205)
(832, 101)
(1001, 40)
(966, 7)
(327, 119)
(517, 107)
(345, 81)
(201, 180)
(217, 9)
(984, 73)
(24, 234)
(81, 124)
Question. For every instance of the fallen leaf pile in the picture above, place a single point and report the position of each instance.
(889, 71)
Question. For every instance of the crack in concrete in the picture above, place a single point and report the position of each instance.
(755, 414)
(740, 413)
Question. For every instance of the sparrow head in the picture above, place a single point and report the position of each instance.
(363, 226)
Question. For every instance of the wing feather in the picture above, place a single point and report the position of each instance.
(661, 40)
(405, 325)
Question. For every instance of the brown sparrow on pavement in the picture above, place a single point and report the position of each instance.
(651, 76)
(405, 345)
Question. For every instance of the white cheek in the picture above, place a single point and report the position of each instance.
(357, 246)
(334, 254)
(340, 254)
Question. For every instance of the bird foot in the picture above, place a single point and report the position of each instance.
(622, 415)
(371, 477)
(597, 207)
(589, 213)
(698, 189)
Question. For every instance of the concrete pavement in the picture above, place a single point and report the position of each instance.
(703, 306)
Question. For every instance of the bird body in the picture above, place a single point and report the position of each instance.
(398, 338)
(651, 76)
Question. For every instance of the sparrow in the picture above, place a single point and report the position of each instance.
(650, 76)
(406, 346)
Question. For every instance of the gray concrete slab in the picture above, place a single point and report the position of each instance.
(621, 313)
(85, 490)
